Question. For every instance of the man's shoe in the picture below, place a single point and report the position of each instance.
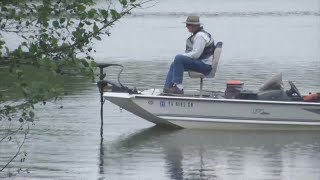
(165, 90)
(173, 90)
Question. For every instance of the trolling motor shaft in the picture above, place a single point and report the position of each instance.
(104, 84)
(101, 84)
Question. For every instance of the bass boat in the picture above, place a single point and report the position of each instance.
(269, 108)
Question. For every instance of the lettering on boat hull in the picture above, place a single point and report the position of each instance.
(182, 104)
(259, 111)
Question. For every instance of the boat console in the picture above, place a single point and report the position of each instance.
(273, 90)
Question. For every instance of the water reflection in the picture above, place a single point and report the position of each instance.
(198, 154)
(101, 156)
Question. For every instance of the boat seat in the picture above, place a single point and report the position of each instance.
(275, 82)
(215, 61)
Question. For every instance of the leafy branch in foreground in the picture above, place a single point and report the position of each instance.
(53, 38)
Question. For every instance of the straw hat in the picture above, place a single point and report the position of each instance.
(194, 20)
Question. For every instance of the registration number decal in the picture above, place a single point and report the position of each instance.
(183, 104)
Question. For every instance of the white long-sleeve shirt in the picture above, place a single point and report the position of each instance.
(200, 41)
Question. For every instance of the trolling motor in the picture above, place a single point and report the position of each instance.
(105, 85)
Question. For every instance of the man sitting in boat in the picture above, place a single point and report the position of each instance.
(197, 57)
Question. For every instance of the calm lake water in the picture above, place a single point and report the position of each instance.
(260, 38)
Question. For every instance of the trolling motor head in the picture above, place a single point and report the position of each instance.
(102, 66)
(105, 85)
(109, 86)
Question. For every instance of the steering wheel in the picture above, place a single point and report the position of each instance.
(293, 92)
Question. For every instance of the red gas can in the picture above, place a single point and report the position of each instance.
(234, 87)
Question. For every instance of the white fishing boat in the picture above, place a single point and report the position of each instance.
(269, 108)
(218, 113)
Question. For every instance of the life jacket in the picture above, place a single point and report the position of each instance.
(208, 50)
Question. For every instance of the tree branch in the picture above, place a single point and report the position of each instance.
(19, 149)
(11, 133)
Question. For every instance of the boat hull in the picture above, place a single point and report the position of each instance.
(209, 113)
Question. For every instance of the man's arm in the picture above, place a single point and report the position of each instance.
(197, 48)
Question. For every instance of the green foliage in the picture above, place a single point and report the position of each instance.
(52, 33)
